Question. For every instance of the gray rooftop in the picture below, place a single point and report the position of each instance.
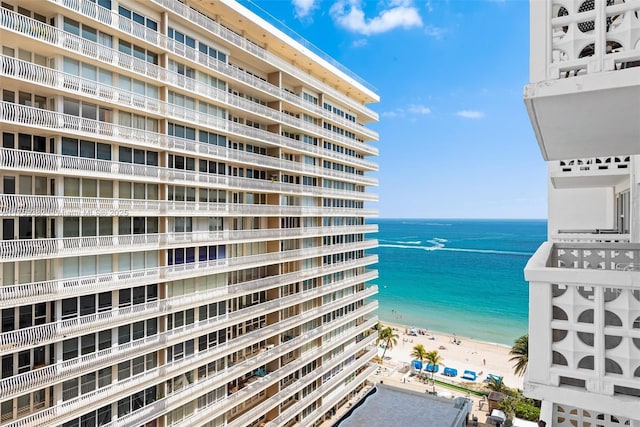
(392, 406)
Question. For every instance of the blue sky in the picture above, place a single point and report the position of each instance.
(455, 138)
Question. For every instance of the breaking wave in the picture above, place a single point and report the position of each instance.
(438, 244)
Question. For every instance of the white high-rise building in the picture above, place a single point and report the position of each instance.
(184, 202)
(584, 282)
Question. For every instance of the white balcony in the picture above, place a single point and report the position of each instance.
(590, 172)
(340, 393)
(32, 205)
(216, 29)
(70, 246)
(195, 269)
(55, 331)
(35, 292)
(53, 374)
(295, 387)
(584, 326)
(585, 79)
(207, 414)
(189, 393)
(70, 42)
(35, 162)
(131, 28)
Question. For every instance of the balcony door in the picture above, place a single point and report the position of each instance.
(623, 211)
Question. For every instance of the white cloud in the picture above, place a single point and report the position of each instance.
(303, 7)
(429, 6)
(391, 114)
(419, 109)
(470, 114)
(412, 110)
(359, 43)
(399, 14)
(435, 32)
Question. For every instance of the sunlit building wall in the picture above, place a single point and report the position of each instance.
(184, 202)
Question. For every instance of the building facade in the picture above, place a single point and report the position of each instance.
(584, 282)
(184, 203)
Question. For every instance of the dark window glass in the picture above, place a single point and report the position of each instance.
(104, 301)
(8, 320)
(87, 149)
(26, 316)
(69, 147)
(124, 155)
(124, 297)
(7, 229)
(25, 225)
(103, 151)
(87, 305)
(8, 140)
(69, 307)
(24, 141)
(138, 295)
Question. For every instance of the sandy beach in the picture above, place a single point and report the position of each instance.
(478, 356)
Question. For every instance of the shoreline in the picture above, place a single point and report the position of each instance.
(399, 321)
(479, 356)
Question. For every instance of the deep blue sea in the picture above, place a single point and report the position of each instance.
(457, 276)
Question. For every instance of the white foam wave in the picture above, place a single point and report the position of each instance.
(487, 251)
(437, 244)
(441, 247)
(401, 242)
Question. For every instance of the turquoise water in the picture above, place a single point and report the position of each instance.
(457, 276)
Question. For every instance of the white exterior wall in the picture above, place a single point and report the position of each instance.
(584, 288)
(580, 208)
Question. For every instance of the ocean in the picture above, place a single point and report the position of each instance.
(462, 277)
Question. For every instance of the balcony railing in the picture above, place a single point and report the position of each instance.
(32, 205)
(259, 52)
(585, 326)
(594, 164)
(50, 78)
(35, 292)
(70, 165)
(203, 416)
(595, 235)
(48, 34)
(53, 374)
(584, 37)
(187, 394)
(598, 256)
(337, 379)
(128, 26)
(298, 385)
(52, 332)
(71, 246)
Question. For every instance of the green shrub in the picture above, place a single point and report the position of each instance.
(527, 410)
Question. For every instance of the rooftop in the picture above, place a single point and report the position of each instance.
(387, 405)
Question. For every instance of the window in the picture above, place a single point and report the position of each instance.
(87, 149)
(181, 38)
(138, 18)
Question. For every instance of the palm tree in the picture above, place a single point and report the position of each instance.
(496, 384)
(520, 353)
(419, 353)
(433, 358)
(389, 338)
